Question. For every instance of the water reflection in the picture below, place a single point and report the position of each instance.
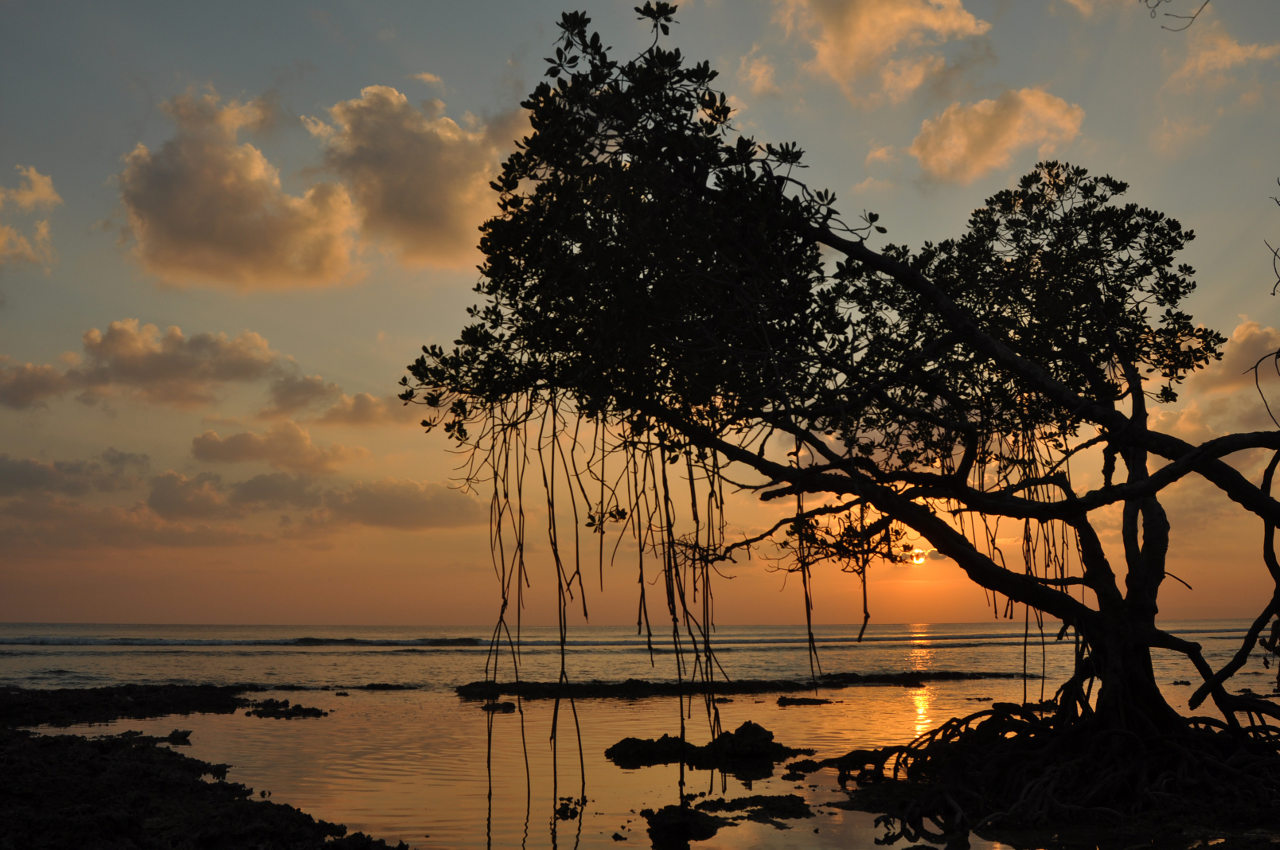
(920, 657)
(923, 700)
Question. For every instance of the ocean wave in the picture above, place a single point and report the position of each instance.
(78, 640)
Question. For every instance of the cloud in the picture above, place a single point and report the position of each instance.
(757, 73)
(871, 185)
(420, 179)
(39, 523)
(1249, 343)
(167, 368)
(1223, 397)
(882, 153)
(170, 368)
(24, 385)
(407, 505)
(1212, 53)
(292, 393)
(365, 409)
(1088, 7)
(207, 209)
(174, 496)
(875, 49)
(35, 191)
(968, 141)
(285, 446)
(1173, 136)
(277, 490)
(112, 470)
(430, 79)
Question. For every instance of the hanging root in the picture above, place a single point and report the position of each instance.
(1016, 767)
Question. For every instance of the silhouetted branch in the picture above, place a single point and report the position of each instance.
(1153, 5)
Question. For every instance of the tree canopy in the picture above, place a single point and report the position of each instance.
(666, 308)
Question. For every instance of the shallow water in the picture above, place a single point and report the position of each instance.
(422, 766)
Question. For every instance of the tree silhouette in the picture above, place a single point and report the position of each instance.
(667, 309)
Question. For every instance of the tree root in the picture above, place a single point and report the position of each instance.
(1012, 767)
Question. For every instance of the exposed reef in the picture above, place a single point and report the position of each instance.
(642, 688)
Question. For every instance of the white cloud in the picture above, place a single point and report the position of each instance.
(1172, 137)
(1249, 343)
(1212, 54)
(968, 141)
(366, 409)
(207, 209)
(39, 523)
(175, 496)
(285, 445)
(169, 368)
(420, 179)
(24, 385)
(882, 153)
(430, 79)
(110, 471)
(1088, 7)
(758, 74)
(876, 49)
(403, 504)
(34, 192)
(293, 393)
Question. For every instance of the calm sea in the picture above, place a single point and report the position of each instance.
(415, 763)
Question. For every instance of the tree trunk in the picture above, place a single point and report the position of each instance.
(1128, 699)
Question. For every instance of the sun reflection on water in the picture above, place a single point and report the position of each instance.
(923, 700)
(920, 658)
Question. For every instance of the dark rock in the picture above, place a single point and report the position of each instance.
(749, 752)
(280, 709)
(673, 827)
(785, 701)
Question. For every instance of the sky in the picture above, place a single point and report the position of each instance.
(226, 228)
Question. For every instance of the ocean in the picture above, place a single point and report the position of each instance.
(401, 757)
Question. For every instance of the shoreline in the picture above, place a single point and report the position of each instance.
(131, 790)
